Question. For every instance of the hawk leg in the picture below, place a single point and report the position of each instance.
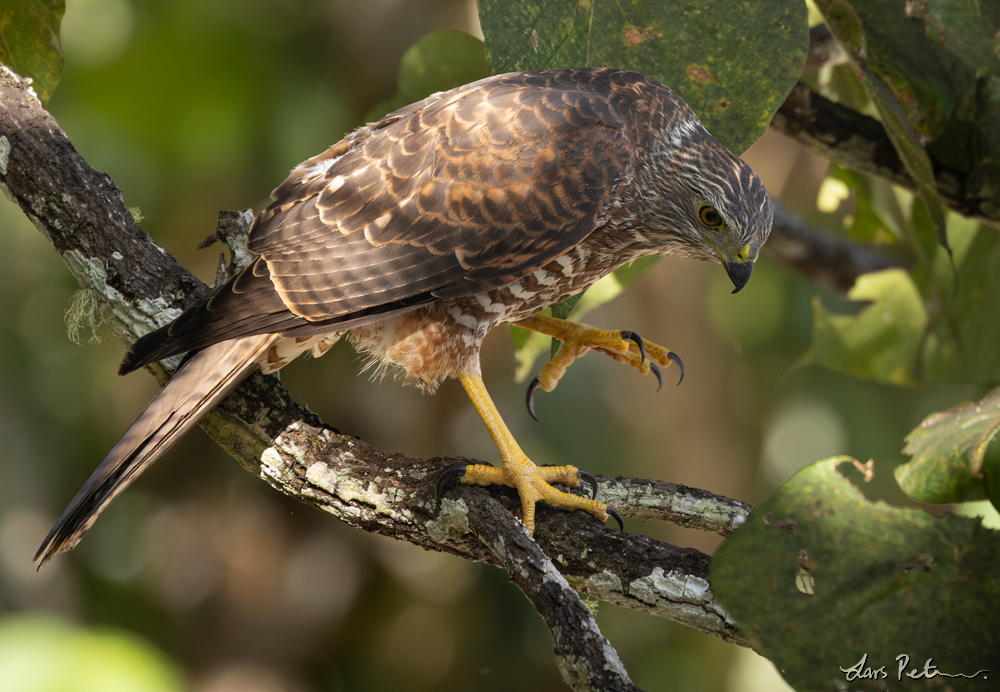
(577, 339)
(533, 482)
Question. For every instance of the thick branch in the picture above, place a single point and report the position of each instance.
(861, 143)
(139, 286)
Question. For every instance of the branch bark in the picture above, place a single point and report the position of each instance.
(860, 142)
(139, 287)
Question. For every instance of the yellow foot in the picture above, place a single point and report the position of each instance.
(533, 483)
(623, 346)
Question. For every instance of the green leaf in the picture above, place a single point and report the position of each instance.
(439, 61)
(948, 451)
(822, 580)
(960, 25)
(882, 341)
(887, 90)
(734, 62)
(968, 305)
(29, 41)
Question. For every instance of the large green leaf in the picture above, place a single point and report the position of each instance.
(830, 586)
(949, 450)
(29, 41)
(733, 61)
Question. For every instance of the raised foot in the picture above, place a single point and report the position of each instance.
(624, 346)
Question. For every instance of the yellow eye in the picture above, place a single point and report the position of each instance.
(710, 217)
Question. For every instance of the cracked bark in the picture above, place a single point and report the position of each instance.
(139, 287)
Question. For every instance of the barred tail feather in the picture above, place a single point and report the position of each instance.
(204, 380)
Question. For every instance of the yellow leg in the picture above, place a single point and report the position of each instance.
(532, 482)
(579, 338)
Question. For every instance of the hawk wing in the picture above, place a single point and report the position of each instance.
(462, 192)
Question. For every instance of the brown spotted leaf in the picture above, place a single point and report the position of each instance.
(733, 61)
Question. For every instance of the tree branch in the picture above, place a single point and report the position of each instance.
(139, 287)
(860, 142)
(821, 257)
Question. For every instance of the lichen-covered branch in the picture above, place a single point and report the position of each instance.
(139, 286)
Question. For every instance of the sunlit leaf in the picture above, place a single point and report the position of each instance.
(887, 95)
(882, 341)
(734, 62)
(822, 580)
(29, 41)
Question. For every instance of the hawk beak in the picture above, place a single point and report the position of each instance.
(739, 273)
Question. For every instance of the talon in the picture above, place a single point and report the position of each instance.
(589, 479)
(530, 400)
(617, 517)
(447, 476)
(680, 364)
(637, 340)
(659, 375)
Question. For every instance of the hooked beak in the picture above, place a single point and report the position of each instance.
(739, 273)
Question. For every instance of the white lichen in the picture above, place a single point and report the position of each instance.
(4, 154)
(452, 521)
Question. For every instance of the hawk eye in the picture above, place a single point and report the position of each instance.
(710, 217)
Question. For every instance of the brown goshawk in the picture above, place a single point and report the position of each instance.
(416, 235)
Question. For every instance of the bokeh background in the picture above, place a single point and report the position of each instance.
(201, 577)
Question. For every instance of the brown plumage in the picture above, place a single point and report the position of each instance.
(418, 234)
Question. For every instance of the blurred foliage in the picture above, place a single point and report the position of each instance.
(882, 340)
(29, 41)
(877, 78)
(733, 62)
(45, 654)
(821, 578)
(439, 61)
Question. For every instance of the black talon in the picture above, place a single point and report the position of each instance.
(531, 397)
(680, 364)
(617, 517)
(637, 340)
(447, 476)
(589, 479)
(659, 375)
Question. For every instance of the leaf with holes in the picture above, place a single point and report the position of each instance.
(830, 586)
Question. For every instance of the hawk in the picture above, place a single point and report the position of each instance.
(416, 235)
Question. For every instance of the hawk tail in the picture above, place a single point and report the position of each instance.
(201, 383)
